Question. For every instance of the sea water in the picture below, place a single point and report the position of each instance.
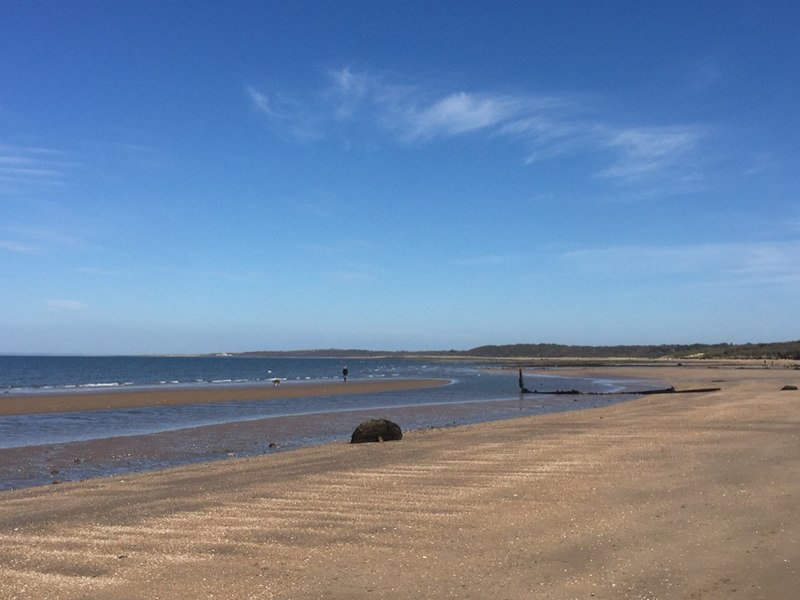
(467, 382)
(62, 373)
(472, 392)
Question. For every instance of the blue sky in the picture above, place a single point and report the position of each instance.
(204, 176)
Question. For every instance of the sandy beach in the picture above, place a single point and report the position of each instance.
(668, 496)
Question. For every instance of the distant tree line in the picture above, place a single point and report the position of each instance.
(765, 351)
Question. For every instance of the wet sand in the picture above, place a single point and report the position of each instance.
(670, 496)
(21, 404)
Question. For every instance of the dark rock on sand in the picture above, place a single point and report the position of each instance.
(376, 430)
(788, 387)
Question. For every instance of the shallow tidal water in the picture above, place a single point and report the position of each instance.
(57, 447)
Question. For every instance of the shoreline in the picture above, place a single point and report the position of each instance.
(689, 496)
(46, 402)
(30, 461)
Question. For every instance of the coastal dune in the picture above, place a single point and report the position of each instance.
(668, 496)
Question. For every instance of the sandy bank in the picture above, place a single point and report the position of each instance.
(71, 402)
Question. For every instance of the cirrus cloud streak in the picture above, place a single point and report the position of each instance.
(546, 126)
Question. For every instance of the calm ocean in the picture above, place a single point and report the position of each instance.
(474, 394)
(59, 373)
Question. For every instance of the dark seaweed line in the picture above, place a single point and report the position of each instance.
(669, 390)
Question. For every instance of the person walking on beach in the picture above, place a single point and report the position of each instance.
(344, 373)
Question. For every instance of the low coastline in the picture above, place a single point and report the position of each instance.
(661, 497)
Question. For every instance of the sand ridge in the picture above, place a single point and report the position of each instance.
(18, 404)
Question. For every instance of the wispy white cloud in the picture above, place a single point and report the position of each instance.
(97, 271)
(770, 264)
(19, 247)
(50, 236)
(22, 167)
(37, 240)
(552, 133)
(237, 276)
(461, 113)
(323, 208)
(545, 126)
(490, 260)
(343, 246)
(705, 74)
(290, 117)
(760, 163)
(260, 101)
(730, 264)
(350, 275)
(348, 90)
(65, 304)
(130, 150)
(349, 271)
(649, 150)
